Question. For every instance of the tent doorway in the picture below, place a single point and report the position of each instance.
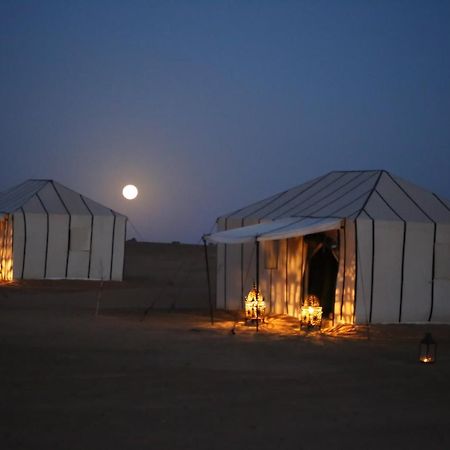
(322, 269)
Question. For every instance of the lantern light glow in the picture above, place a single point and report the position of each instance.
(255, 307)
(311, 312)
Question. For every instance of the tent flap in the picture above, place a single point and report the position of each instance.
(277, 229)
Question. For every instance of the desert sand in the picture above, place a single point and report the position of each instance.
(88, 368)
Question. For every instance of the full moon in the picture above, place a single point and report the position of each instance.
(130, 191)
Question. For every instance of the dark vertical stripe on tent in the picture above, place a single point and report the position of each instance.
(92, 232)
(344, 273)
(402, 273)
(372, 269)
(356, 271)
(112, 245)
(434, 237)
(286, 289)
(225, 259)
(433, 268)
(24, 242)
(69, 226)
(403, 249)
(48, 228)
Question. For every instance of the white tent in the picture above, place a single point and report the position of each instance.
(389, 237)
(50, 231)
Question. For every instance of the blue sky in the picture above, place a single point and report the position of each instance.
(209, 105)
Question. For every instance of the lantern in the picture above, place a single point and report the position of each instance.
(311, 312)
(427, 349)
(255, 306)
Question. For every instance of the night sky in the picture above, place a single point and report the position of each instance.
(209, 105)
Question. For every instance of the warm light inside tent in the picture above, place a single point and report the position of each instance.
(311, 312)
(255, 307)
(6, 254)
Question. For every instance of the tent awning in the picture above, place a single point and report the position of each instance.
(277, 229)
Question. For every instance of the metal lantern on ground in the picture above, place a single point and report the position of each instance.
(255, 307)
(427, 351)
(311, 312)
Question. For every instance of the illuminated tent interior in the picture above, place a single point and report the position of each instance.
(371, 246)
(48, 231)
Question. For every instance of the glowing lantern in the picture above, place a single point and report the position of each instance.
(255, 307)
(311, 312)
(427, 351)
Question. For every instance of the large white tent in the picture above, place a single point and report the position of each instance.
(48, 231)
(390, 240)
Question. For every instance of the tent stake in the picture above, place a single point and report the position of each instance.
(211, 311)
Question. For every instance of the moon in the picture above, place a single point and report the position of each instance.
(130, 191)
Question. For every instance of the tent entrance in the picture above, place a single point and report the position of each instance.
(322, 269)
(324, 230)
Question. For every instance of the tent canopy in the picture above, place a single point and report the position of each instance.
(277, 229)
(374, 194)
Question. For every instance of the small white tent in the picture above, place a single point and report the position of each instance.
(389, 240)
(48, 231)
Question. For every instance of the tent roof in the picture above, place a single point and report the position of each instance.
(372, 194)
(277, 229)
(48, 196)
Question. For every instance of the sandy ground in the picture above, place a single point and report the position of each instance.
(71, 379)
(167, 275)
(137, 365)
